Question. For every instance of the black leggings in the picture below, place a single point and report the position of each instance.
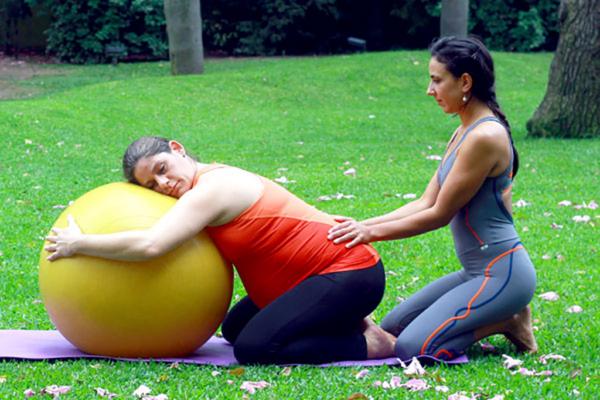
(317, 321)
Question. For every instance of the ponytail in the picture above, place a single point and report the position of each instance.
(493, 104)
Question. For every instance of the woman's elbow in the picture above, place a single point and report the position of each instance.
(149, 250)
(441, 218)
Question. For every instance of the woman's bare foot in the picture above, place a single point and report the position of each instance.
(520, 331)
(380, 344)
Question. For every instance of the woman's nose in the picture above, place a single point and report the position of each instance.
(163, 183)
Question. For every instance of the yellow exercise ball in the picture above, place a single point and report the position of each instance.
(167, 307)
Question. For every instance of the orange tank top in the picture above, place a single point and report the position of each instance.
(280, 240)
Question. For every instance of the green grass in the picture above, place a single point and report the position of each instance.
(254, 114)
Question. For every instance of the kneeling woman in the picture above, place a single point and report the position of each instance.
(308, 300)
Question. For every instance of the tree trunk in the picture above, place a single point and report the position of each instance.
(455, 17)
(184, 30)
(571, 107)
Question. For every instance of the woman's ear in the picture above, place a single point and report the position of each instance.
(467, 82)
(177, 147)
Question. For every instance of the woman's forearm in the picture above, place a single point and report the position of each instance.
(400, 213)
(122, 246)
(411, 225)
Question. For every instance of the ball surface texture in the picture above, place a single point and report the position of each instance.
(166, 307)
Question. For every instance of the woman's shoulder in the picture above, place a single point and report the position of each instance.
(491, 133)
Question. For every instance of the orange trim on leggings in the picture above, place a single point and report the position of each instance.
(487, 277)
(507, 189)
(444, 351)
(469, 225)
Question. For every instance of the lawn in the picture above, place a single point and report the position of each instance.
(316, 117)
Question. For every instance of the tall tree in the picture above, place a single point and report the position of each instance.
(571, 107)
(455, 17)
(184, 30)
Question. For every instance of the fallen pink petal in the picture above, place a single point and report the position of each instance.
(414, 368)
(487, 346)
(377, 384)
(547, 214)
(546, 257)
(510, 362)
(592, 205)
(395, 382)
(443, 389)
(523, 371)
(159, 397)
(459, 396)
(574, 309)
(141, 391)
(550, 296)
(29, 393)
(544, 358)
(351, 171)
(544, 373)
(581, 218)
(565, 203)
(409, 196)
(399, 299)
(434, 157)
(323, 198)
(105, 393)
(252, 387)
(521, 203)
(556, 226)
(361, 373)
(59, 206)
(283, 179)
(416, 385)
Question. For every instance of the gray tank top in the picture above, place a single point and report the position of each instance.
(484, 220)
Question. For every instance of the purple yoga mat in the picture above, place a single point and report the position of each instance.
(51, 345)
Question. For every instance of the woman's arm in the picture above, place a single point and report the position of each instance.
(192, 212)
(424, 202)
(478, 155)
(218, 198)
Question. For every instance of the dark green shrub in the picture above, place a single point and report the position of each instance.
(80, 30)
(516, 25)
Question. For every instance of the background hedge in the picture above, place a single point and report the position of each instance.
(80, 30)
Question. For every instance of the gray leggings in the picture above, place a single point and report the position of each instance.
(440, 319)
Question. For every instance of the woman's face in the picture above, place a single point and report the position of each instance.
(167, 173)
(445, 88)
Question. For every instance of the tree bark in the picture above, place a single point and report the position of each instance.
(455, 17)
(571, 106)
(184, 30)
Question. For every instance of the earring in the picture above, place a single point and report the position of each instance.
(464, 97)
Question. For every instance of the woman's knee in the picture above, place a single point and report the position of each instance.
(229, 330)
(248, 352)
(390, 325)
(408, 345)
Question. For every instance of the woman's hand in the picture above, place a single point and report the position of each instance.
(350, 230)
(62, 244)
